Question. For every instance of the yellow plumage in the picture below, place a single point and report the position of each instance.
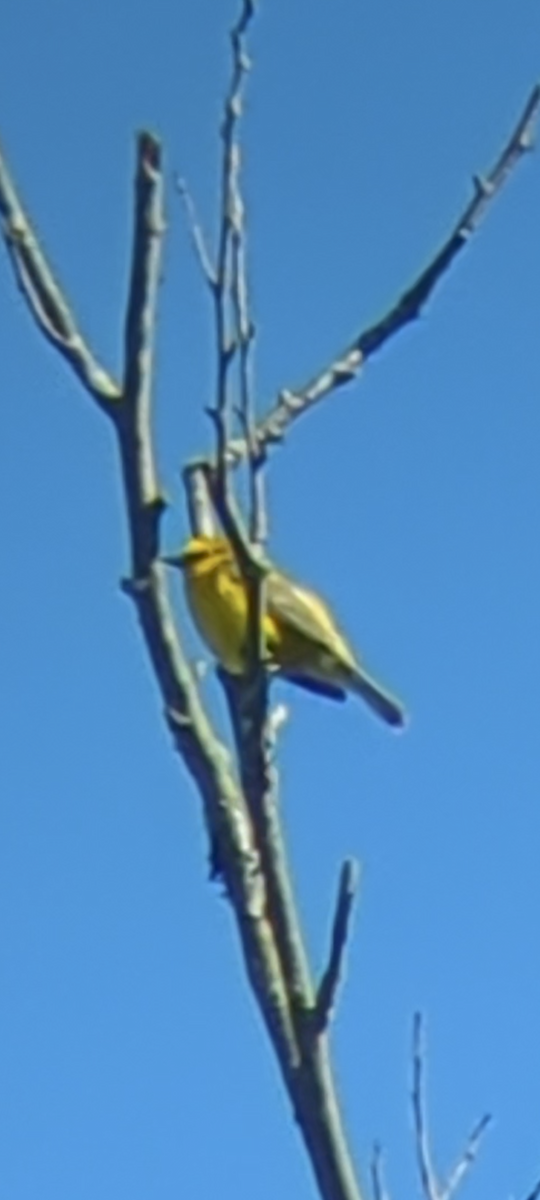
(302, 640)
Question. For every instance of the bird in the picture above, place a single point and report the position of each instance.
(302, 640)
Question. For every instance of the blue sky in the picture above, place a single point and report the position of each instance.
(132, 1059)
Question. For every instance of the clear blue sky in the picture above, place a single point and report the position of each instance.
(132, 1059)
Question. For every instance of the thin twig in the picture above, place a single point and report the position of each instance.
(45, 299)
(245, 336)
(233, 334)
(428, 1177)
(327, 992)
(432, 1187)
(244, 333)
(292, 404)
(466, 1159)
(227, 340)
(226, 345)
(377, 1174)
(197, 236)
(243, 320)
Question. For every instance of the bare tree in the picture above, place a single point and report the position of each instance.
(239, 792)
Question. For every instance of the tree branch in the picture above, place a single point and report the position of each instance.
(303, 1060)
(311, 1086)
(45, 299)
(207, 760)
(143, 496)
(377, 1174)
(233, 337)
(197, 236)
(197, 487)
(292, 404)
(327, 992)
(432, 1187)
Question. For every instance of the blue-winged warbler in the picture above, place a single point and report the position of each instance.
(302, 640)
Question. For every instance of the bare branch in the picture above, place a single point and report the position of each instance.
(45, 299)
(198, 491)
(433, 1189)
(292, 404)
(284, 1001)
(245, 334)
(310, 1084)
(311, 1088)
(260, 785)
(428, 1178)
(227, 817)
(467, 1158)
(247, 695)
(226, 345)
(327, 992)
(207, 760)
(377, 1174)
(134, 426)
(243, 321)
(197, 236)
(234, 331)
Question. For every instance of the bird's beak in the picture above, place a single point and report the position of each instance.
(173, 560)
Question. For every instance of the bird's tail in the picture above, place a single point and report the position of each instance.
(379, 700)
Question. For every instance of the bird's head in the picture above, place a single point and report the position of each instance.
(199, 551)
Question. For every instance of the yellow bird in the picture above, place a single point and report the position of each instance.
(302, 640)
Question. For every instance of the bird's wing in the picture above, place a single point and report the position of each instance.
(305, 613)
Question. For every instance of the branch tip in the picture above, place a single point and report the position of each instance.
(198, 238)
(45, 299)
(432, 1187)
(377, 1173)
(149, 149)
(346, 895)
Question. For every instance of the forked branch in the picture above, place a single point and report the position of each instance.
(206, 758)
(432, 1187)
(45, 298)
(311, 1086)
(294, 403)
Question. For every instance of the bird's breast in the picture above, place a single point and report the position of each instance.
(218, 606)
